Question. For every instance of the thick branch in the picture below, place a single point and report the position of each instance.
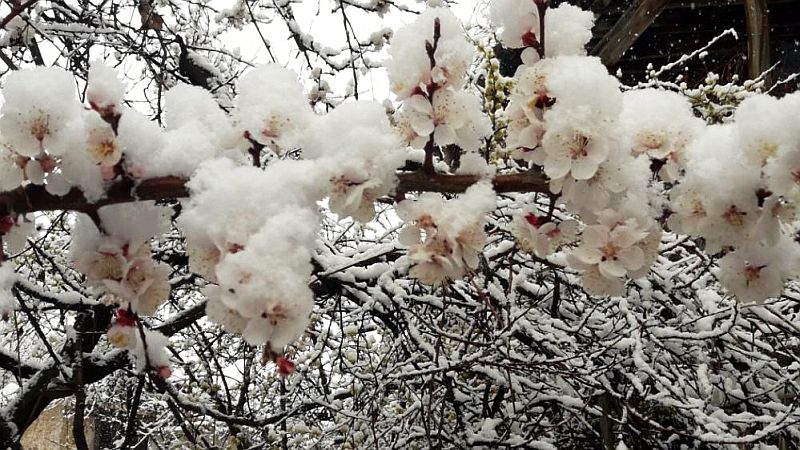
(35, 198)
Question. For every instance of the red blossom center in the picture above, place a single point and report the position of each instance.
(125, 318)
(535, 220)
(752, 273)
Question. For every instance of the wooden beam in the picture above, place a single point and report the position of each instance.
(758, 48)
(627, 29)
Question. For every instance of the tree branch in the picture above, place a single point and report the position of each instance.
(35, 198)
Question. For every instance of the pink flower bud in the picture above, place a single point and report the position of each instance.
(285, 366)
(164, 372)
(529, 39)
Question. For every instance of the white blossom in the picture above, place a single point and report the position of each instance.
(541, 237)
(39, 108)
(409, 67)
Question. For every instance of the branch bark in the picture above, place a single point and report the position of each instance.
(35, 198)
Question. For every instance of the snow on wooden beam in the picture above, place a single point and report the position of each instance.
(628, 28)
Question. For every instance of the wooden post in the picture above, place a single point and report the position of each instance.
(628, 28)
(757, 37)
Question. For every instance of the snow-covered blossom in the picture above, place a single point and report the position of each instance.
(150, 349)
(583, 82)
(756, 272)
(575, 146)
(782, 170)
(454, 117)
(259, 195)
(360, 153)
(518, 22)
(409, 67)
(617, 247)
(266, 283)
(261, 261)
(118, 261)
(271, 108)
(216, 311)
(724, 217)
(147, 348)
(567, 28)
(104, 91)
(541, 237)
(197, 130)
(445, 238)
(39, 111)
(764, 126)
(659, 124)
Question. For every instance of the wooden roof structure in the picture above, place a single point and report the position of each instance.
(631, 34)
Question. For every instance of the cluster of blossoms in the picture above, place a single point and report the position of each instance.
(445, 238)
(117, 261)
(614, 158)
(617, 246)
(259, 263)
(112, 250)
(427, 71)
(567, 115)
(752, 219)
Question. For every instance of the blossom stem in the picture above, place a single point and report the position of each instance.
(427, 166)
(541, 6)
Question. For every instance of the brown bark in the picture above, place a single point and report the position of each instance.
(35, 198)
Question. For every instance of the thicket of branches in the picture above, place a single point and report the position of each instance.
(514, 355)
